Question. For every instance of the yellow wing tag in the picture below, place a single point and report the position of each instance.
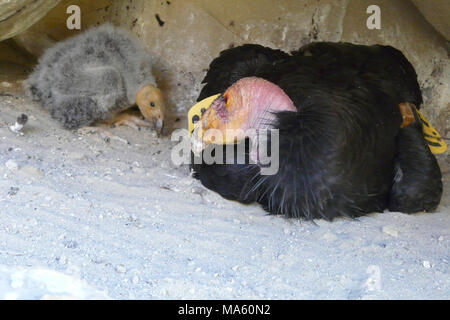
(432, 137)
(196, 111)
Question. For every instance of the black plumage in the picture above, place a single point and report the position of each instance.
(343, 152)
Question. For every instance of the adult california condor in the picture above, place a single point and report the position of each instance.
(350, 138)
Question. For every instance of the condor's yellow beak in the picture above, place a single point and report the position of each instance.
(197, 110)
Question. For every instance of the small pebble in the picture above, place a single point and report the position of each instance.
(426, 264)
(12, 165)
(76, 156)
(121, 269)
(390, 231)
(32, 172)
(328, 236)
(138, 170)
(5, 84)
(13, 191)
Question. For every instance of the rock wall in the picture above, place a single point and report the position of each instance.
(436, 12)
(16, 16)
(185, 35)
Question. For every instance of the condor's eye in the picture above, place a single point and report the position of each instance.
(152, 104)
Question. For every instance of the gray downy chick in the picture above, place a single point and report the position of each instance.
(95, 75)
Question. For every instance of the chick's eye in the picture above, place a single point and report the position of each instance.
(152, 104)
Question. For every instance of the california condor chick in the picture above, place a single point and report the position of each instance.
(94, 76)
(350, 138)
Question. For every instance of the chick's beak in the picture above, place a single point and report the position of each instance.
(151, 103)
(158, 125)
(155, 117)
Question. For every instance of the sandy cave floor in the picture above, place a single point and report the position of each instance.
(85, 218)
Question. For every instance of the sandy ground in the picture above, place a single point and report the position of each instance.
(84, 218)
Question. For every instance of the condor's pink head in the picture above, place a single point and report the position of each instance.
(249, 103)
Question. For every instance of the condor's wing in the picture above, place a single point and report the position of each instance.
(385, 65)
(236, 63)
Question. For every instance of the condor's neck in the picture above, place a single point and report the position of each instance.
(265, 99)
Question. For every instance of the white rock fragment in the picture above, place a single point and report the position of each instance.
(121, 269)
(328, 236)
(12, 165)
(135, 280)
(32, 172)
(390, 230)
(19, 124)
(426, 264)
(138, 170)
(76, 156)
